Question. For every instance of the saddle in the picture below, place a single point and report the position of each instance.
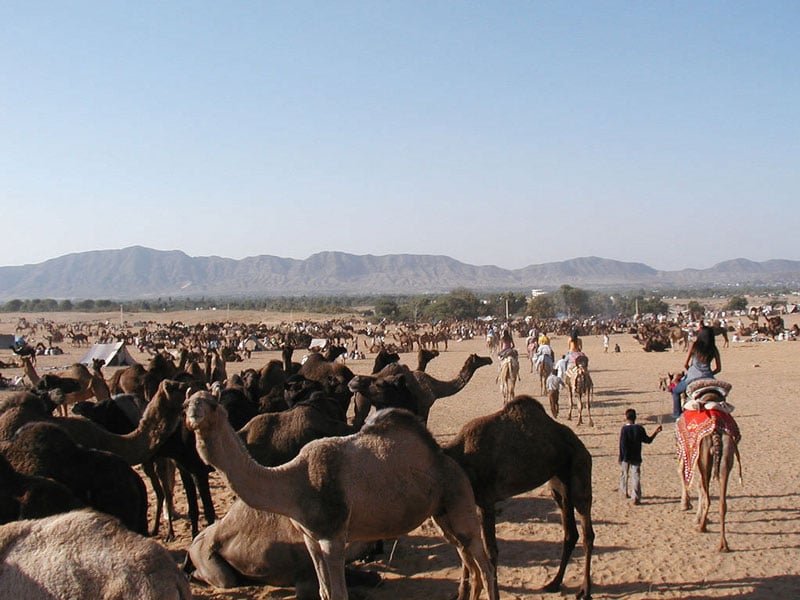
(708, 394)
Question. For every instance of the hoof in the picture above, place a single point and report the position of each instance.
(552, 587)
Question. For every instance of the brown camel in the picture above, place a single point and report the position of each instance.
(29, 369)
(425, 388)
(333, 490)
(98, 383)
(98, 479)
(31, 497)
(424, 356)
(677, 337)
(717, 451)
(85, 554)
(143, 381)
(160, 418)
(518, 449)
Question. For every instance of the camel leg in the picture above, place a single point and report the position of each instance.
(724, 474)
(316, 553)
(477, 570)
(571, 401)
(589, 403)
(561, 496)
(685, 503)
(704, 473)
(209, 566)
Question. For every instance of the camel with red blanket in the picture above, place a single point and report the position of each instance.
(708, 439)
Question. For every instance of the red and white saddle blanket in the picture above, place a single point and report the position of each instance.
(692, 427)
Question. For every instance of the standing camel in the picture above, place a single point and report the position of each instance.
(706, 453)
(518, 449)
(425, 389)
(544, 369)
(334, 490)
(579, 383)
(508, 376)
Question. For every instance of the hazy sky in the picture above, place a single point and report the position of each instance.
(505, 133)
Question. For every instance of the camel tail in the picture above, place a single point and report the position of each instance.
(716, 444)
(739, 462)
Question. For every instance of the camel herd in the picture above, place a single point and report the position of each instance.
(314, 488)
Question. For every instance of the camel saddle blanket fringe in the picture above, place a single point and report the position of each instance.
(693, 427)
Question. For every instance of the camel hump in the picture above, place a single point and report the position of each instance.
(389, 421)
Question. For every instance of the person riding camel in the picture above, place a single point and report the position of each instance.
(506, 343)
(575, 350)
(698, 365)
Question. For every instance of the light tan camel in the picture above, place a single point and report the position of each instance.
(579, 383)
(678, 337)
(508, 375)
(334, 489)
(85, 554)
(518, 449)
(30, 370)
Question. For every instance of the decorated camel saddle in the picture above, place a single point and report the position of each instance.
(708, 394)
(706, 411)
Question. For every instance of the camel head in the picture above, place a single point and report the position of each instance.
(475, 362)
(388, 391)
(201, 410)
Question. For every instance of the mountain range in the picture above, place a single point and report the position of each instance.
(138, 273)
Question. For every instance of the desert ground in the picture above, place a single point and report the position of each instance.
(650, 551)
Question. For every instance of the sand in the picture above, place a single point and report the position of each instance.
(648, 551)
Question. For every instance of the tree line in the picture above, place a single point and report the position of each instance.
(460, 303)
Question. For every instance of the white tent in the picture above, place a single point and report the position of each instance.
(114, 355)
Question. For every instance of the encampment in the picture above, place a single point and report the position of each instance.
(6, 341)
(114, 355)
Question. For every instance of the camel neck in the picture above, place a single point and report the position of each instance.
(263, 488)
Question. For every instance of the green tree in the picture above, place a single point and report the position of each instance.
(736, 303)
(386, 307)
(575, 300)
(541, 307)
(13, 305)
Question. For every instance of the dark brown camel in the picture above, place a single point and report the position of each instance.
(31, 497)
(98, 479)
(143, 381)
(160, 419)
(424, 356)
(518, 449)
(424, 388)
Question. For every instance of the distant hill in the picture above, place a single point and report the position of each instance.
(138, 272)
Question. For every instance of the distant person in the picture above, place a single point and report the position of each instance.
(553, 383)
(631, 438)
(506, 343)
(605, 343)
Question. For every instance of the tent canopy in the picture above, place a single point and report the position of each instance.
(114, 355)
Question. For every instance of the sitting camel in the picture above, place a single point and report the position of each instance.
(31, 497)
(85, 554)
(518, 449)
(425, 388)
(333, 490)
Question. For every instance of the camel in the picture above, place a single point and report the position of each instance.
(579, 383)
(160, 418)
(543, 369)
(718, 448)
(249, 545)
(333, 490)
(100, 389)
(677, 337)
(518, 449)
(252, 545)
(425, 388)
(318, 368)
(143, 381)
(85, 554)
(424, 356)
(98, 479)
(31, 497)
(508, 376)
(28, 367)
(492, 342)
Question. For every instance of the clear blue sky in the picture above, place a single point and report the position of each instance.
(510, 133)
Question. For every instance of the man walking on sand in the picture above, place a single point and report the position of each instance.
(631, 438)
